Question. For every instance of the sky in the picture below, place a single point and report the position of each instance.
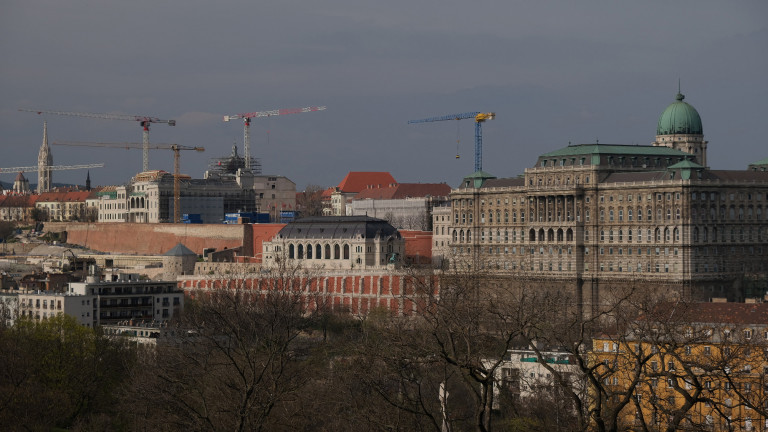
(554, 72)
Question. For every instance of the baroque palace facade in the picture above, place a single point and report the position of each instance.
(592, 217)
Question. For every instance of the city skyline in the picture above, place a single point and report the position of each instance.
(552, 74)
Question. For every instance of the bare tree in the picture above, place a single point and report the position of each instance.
(438, 362)
(235, 361)
(309, 202)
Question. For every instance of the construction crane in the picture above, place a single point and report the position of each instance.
(52, 168)
(479, 117)
(144, 121)
(176, 148)
(247, 124)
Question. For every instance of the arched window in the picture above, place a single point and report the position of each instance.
(551, 235)
(666, 234)
(336, 252)
(300, 254)
(346, 251)
(461, 236)
(569, 235)
(318, 252)
(532, 235)
(658, 235)
(541, 234)
(696, 234)
(290, 251)
(309, 251)
(560, 235)
(455, 236)
(327, 251)
(677, 234)
(469, 235)
(629, 215)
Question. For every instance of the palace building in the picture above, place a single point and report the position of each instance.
(337, 242)
(592, 217)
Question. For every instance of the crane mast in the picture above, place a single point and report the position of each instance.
(246, 117)
(176, 148)
(144, 121)
(479, 117)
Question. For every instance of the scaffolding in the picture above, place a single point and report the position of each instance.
(226, 167)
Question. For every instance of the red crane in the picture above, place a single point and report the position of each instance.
(144, 121)
(247, 122)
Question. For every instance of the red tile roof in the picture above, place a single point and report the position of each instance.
(356, 181)
(405, 190)
(18, 201)
(72, 196)
(715, 313)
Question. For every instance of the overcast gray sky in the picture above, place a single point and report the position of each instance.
(554, 72)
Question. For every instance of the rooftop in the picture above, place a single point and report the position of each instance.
(335, 227)
(356, 181)
(589, 149)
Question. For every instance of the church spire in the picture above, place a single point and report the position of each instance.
(44, 162)
(88, 181)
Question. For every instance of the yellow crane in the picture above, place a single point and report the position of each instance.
(176, 148)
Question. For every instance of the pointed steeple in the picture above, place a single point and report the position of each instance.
(88, 181)
(44, 163)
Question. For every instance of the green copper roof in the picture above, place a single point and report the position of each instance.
(476, 179)
(761, 162)
(685, 164)
(679, 118)
(588, 149)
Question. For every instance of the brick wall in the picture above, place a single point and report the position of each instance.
(358, 294)
(154, 239)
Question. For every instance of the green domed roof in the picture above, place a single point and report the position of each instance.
(679, 118)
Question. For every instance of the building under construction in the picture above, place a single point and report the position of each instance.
(227, 187)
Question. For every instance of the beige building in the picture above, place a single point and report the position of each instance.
(73, 205)
(593, 217)
(148, 198)
(343, 242)
(40, 305)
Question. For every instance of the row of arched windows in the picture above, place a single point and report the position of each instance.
(550, 235)
(309, 251)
